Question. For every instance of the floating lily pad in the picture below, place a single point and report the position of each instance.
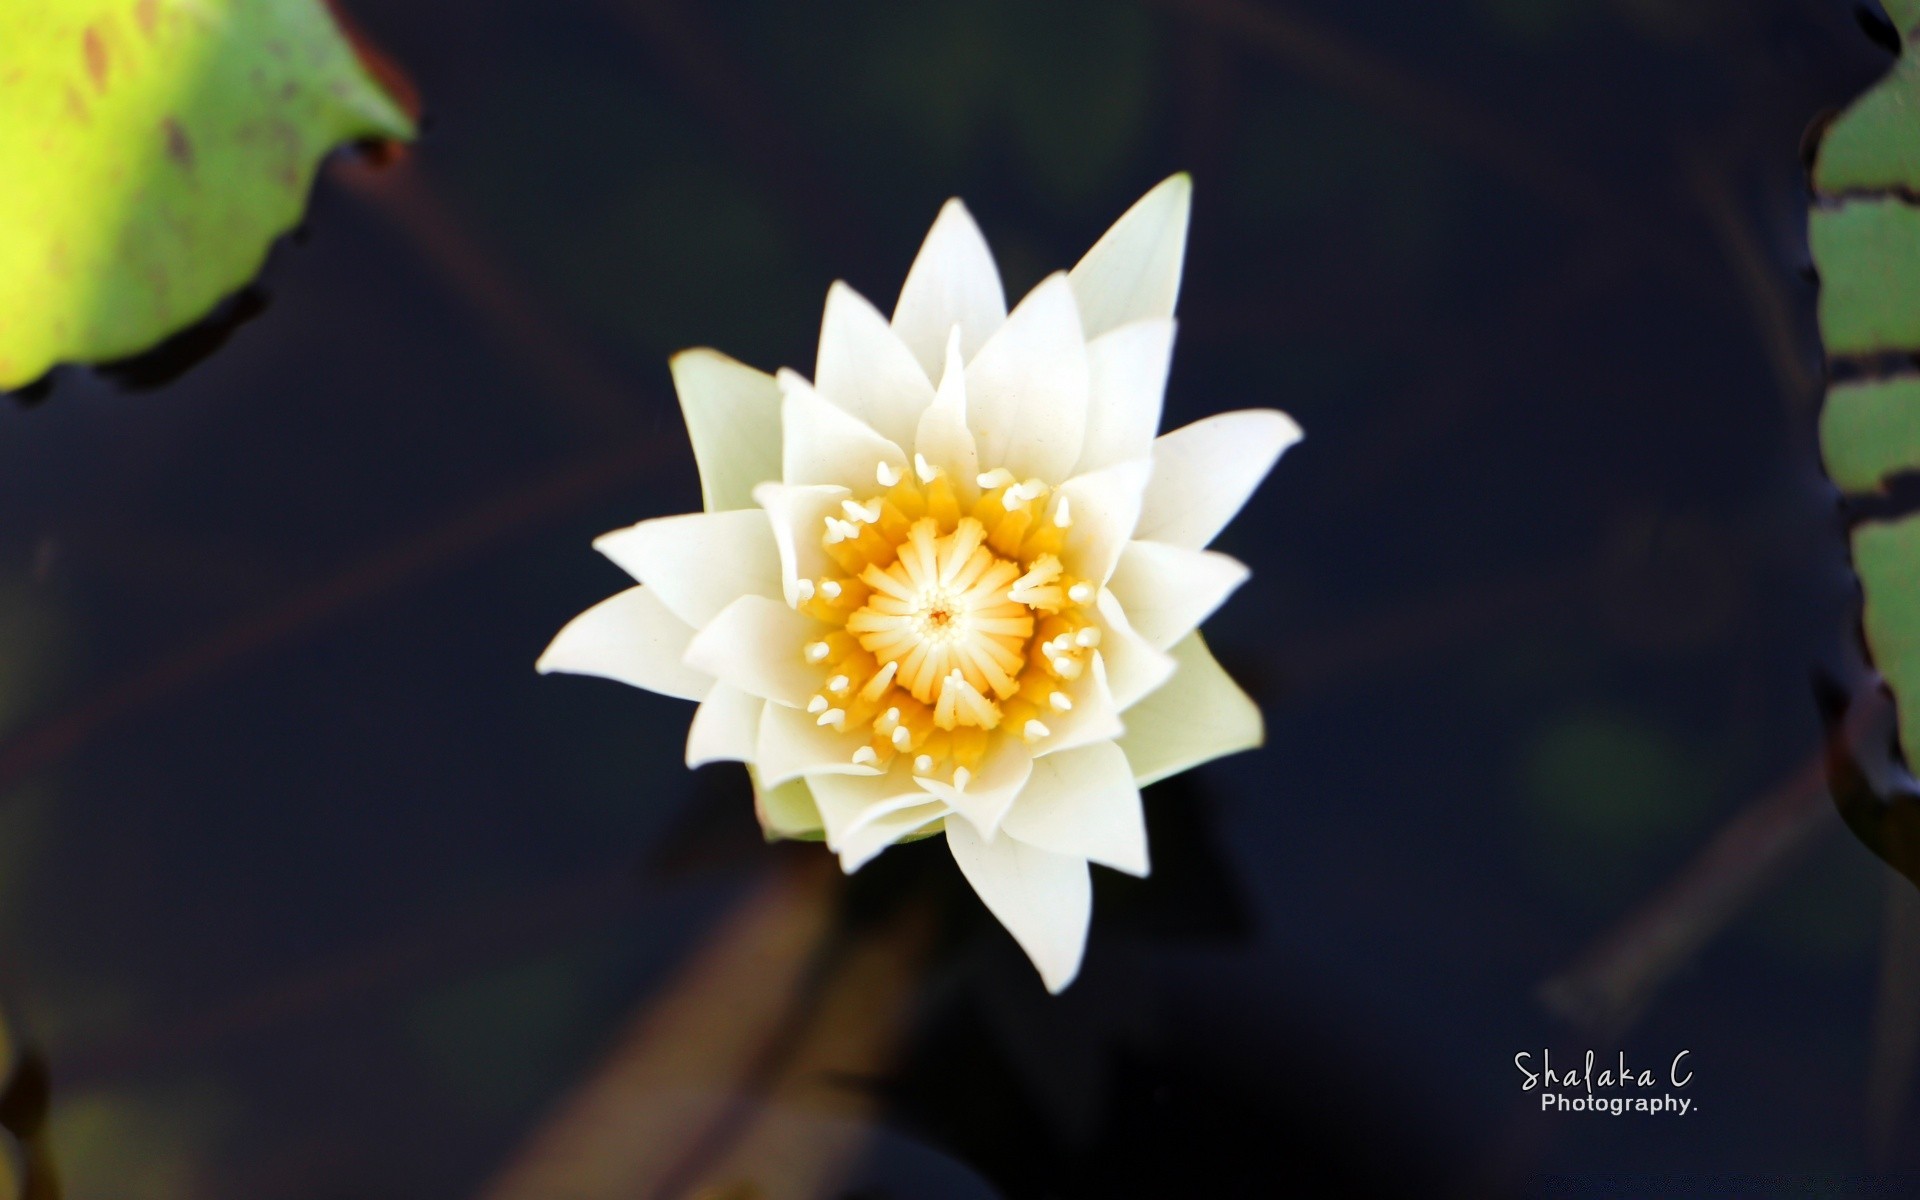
(152, 151)
(1865, 237)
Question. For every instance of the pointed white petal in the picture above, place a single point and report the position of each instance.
(943, 439)
(757, 645)
(699, 563)
(798, 516)
(1083, 803)
(847, 801)
(1044, 899)
(1094, 716)
(1135, 666)
(1127, 380)
(786, 811)
(866, 369)
(864, 844)
(733, 417)
(725, 727)
(1204, 472)
(792, 744)
(827, 444)
(633, 638)
(1168, 590)
(866, 814)
(1199, 715)
(1106, 508)
(1133, 271)
(952, 282)
(988, 795)
(1027, 388)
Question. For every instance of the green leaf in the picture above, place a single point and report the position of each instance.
(1865, 237)
(1905, 15)
(1887, 553)
(1870, 432)
(152, 150)
(1868, 252)
(1871, 145)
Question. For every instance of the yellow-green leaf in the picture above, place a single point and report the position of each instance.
(1870, 432)
(151, 151)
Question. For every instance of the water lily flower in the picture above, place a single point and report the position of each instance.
(951, 585)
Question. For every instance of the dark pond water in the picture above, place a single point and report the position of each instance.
(311, 888)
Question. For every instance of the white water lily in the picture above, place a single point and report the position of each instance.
(953, 583)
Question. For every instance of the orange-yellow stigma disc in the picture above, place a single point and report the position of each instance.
(953, 619)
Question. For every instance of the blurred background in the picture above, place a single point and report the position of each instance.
(311, 888)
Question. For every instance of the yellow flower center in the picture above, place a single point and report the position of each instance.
(952, 619)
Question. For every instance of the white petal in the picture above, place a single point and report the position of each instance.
(786, 811)
(1168, 590)
(1199, 715)
(1027, 388)
(757, 645)
(1133, 271)
(792, 744)
(798, 516)
(1135, 666)
(943, 438)
(866, 369)
(826, 444)
(1106, 508)
(1094, 716)
(1204, 472)
(633, 638)
(865, 843)
(952, 282)
(865, 815)
(991, 791)
(1126, 383)
(1044, 899)
(847, 801)
(725, 727)
(733, 417)
(699, 563)
(1084, 803)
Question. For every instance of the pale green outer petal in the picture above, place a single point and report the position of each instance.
(1044, 899)
(757, 645)
(1199, 715)
(943, 438)
(798, 516)
(1127, 382)
(1203, 473)
(988, 795)
(792, 744)
(785, 811)
(866, 369)
(824, 443)
(1133, 271)
(733, 417)
(1094, 716)
(699, 563)
(726, 727)
(631, 637)
(1104, 507)
(952, 282)
(1083, 803)
(1027, 388)
(1167, 591)
(1135, 666)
